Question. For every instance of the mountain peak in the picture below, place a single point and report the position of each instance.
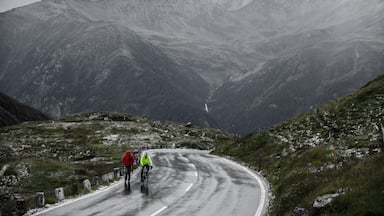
(253, 63)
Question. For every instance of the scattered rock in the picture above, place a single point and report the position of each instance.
(300, 212)
(326, 199)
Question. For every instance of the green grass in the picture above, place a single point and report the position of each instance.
(46, 174)
(364, 183)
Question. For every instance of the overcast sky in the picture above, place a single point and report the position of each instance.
(9, 4)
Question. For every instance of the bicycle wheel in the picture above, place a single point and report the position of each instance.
(146, 179)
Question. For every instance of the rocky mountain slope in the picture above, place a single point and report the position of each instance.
(336, 49)
(239, 65)
(68, 65)
(326, 161)
(41, 156)
(13, 112)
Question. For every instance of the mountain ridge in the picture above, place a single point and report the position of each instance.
(205, 53)
(13, 112)
(147, 72)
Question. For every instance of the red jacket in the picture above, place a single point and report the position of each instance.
(128, 158)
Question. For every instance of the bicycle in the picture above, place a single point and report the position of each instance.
(145, 180)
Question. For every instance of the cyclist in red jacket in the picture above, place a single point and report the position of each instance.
(128, 161)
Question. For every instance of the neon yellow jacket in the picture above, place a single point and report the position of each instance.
(145, 161)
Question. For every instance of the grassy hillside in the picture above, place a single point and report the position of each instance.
(41, 156)
(335, 152)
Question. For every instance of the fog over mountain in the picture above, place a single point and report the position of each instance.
(235, 64)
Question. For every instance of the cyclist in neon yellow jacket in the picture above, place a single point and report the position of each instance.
(145, 162)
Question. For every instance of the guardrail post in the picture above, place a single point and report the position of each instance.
(40, 199)
(105, 178)
(87, 185)
(59, 192)
(21, 206)
(111, 176)
(116, 172)
(95, 180)
(74, 188)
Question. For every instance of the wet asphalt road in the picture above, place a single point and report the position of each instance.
(185, 182)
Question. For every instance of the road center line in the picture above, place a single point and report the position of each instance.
(196, 174)
(189, 187)
(159, 211)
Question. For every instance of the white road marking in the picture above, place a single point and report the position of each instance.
(189, 187)
(262, 192)
(196, 174)
(183, 158)
(159, 211)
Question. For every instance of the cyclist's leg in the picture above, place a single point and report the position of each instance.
(147, 167)
(129, 168)
(142, 171)
(126, 172)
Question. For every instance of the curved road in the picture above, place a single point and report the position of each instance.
(183, 182)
